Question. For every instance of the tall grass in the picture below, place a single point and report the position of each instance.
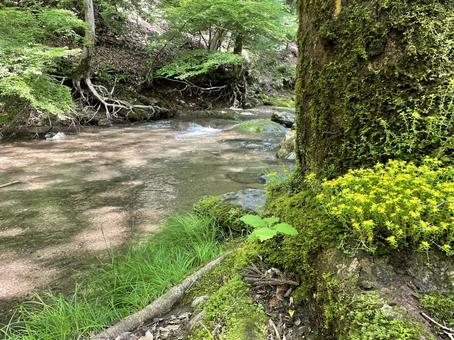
(126, 284)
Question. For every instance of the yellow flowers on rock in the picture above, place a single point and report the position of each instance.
(397, 205)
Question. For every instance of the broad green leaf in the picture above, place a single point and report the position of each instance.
(271, 220)
(263, 234)
(254, 221)
(285, 229)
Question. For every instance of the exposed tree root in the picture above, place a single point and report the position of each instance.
(113, 105)
(158, 307)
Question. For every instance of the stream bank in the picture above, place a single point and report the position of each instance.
(103, 188)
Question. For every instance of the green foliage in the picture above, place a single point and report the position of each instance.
(396, 206)
(278, 101)
(440, 307)
(198, 62)
(268, 227)
(223, 22)
(226, 216)
(124, 285)
(231, 306)
(368, 320)
(403, 51)
(26, 61)
(240, 258)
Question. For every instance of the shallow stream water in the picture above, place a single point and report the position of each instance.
(106, 187)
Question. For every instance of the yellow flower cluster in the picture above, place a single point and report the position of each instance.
(399, 205)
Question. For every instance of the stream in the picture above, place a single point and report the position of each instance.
(105, 187)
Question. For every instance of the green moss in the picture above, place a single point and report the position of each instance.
(227, 216)
(335, 301)
(259, 126)
(230, 267)
(440, 307)
(349, 315)
(231, 311)
(374, 82)
(369, 319)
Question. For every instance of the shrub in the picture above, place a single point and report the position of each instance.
(398, 205)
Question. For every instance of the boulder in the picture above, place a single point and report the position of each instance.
(286, 119)
(264, 126)
(249, 199)
(287, 146)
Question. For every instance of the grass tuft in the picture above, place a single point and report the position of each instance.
(126, 284)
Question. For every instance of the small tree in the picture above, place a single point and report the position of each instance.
(26, 62)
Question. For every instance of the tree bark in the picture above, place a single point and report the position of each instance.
(372, 77)
(238, 49)
(85, 65)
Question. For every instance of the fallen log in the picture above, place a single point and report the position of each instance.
(159, 306)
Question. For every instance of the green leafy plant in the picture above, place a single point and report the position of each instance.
(267, 228)
(27, 62)
(198, 62)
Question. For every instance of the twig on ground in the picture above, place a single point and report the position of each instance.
(448, 331)
(10, 184)
(160, 306)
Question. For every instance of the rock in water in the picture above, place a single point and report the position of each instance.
(55, 136)
(249, 199)
(286, 119)
(287, 147)
(264, 126)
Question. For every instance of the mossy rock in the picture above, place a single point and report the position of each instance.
(287, 146)
(263, 126)
(226, 215)
(231, 308)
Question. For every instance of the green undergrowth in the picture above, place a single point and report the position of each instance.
(227, 216)
(441, 307)
(229, 312)
(126, 284)
(393, 206)
(278, 101)
(390, 208)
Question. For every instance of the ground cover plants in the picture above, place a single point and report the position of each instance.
(123, 286)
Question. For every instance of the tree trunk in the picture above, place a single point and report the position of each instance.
(238, 49)
(374, 82)
(85, 65)
(216, 40)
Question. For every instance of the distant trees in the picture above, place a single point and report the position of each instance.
(214, 35)
(230, 25)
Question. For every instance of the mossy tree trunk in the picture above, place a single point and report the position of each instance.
(375, 81)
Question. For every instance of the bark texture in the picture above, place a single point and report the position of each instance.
(375, 81)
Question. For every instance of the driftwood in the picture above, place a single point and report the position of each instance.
(9, 184)
(158, 307)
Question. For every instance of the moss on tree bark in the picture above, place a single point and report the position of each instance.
(375, 81)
